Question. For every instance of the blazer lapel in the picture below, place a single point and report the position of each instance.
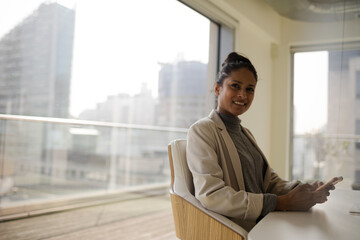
(234, 156)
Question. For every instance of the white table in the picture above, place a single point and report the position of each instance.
(327, 221)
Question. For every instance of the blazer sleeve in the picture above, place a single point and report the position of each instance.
(279, 186)
(208, 177)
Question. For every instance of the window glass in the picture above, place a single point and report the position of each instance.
(326, 115)
(93, 91)
(75, 60)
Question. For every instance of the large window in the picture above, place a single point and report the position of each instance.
(326, 114)
(91, 93)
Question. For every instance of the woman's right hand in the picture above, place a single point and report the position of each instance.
(301, 198)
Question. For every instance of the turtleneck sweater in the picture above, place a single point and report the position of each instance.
(252, 163)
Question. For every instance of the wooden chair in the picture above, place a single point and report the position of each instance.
(192, 220)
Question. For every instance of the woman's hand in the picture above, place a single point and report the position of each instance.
(317, 184)
(302, 198)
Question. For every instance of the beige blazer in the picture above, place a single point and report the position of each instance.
(217, 174)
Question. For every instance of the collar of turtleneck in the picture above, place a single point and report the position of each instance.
(230, 121)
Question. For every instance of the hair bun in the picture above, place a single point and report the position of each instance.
(234, 57)
(233, 62)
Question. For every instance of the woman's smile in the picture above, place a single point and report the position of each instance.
(239, 103)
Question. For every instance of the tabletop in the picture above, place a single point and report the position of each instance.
(330, 220)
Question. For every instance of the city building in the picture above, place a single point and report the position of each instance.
(35, 75)
(183, 93)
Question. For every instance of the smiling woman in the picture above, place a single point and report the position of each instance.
(231, 175)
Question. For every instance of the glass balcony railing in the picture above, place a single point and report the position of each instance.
(47, 159)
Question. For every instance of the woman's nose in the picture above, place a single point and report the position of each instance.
(242, 94)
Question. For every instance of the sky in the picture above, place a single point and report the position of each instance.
(118, 45)
(310, 91)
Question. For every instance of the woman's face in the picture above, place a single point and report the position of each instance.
(236, 93)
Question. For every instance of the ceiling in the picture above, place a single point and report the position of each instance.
(317, 10)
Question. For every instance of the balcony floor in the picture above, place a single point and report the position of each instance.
(146, 217)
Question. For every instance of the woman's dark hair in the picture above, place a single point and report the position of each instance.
(234, 61)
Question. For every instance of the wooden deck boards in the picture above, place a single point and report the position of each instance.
(144, 218)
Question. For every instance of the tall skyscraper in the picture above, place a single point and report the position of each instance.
(35, 63)
(35, 75)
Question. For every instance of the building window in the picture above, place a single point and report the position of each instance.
(325, 114)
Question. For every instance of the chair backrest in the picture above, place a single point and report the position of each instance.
(181, 178)
(192, 221)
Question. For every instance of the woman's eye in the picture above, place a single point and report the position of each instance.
(250, 89)
(235, 85)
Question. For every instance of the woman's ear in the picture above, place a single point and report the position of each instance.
(217, 89)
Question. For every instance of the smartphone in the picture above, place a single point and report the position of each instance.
(333, 181)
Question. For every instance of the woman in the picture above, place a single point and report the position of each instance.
(231, 175)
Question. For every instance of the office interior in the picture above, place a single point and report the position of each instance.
(53, 160)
